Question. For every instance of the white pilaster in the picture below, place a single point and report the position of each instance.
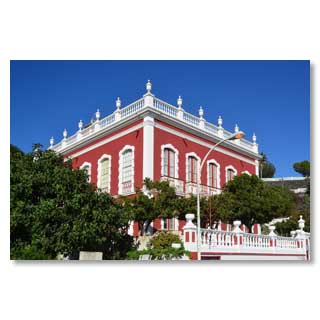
(148, 147)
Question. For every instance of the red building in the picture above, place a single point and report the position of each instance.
(152, 138)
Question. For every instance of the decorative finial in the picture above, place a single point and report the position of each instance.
(254, 138)
(236, 128)
(220, 122)
(51, 142)
(98, 115)
(80, 125)
(301, 223)
(201, 112)
(65, 133)
(148, 86)
(118, 103)
(179, 102)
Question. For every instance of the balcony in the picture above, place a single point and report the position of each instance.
(205, 190)
(186, 188)
(175, 183)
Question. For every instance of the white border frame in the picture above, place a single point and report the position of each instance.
(103, 157)
(176, 159)
(213, 161)
(230, 167)
(125, 148)
(85, 164)
(193, 154)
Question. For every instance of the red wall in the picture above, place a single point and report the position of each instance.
(185, 146)
(113, 148)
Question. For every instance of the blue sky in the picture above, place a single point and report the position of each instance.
(270, 98)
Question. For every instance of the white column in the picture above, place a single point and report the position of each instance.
(257, 168)
(148, 147)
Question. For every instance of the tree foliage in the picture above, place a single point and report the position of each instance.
(160, 247)
(267, 169)
(156, 200)
(249, 199)
(54, 210)
(303, 168)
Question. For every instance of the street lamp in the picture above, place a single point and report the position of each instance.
(235, 136)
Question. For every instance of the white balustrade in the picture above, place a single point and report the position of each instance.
(187, 117)
(132, 108)
(165, 107)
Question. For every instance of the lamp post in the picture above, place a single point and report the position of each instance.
(235, 136)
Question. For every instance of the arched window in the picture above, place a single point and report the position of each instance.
(192, 169)
(213, 175)
(169, 163)
(126, 170)
(87, 167)
(104, 173)
(230, 173)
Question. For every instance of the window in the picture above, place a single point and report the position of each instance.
(230, 173)
(104, 173)
(126, 170)
(168, 163)
(87, 167)
(192, 169)
(213, 175)
(172, 224)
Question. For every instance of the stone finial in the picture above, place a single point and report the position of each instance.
(254, 138)
(220, 122)
(236, 128)
(236, 226)
(80, 125)
(51, 142)
(272, 233)
(201, 112)
(292, 233)
(179, 102)
(148, 86)
(98, 115)
(65, 133)
(301, 223)
(189, 218)
(118, 103)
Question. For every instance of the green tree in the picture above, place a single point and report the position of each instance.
(160, 247)
(303, 168)
(249, 199)
(267, 169)
(156, 200)
(54, 210)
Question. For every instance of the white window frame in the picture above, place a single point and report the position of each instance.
(101, 159)
(233, 168)
(247, 172)
(176, 159)
(122, 151)
(87, 164)
(215, 162)
(192, 154)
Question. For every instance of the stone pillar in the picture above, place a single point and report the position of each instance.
(148, 147)
(238, 240)
(180, 110)
(190, 235)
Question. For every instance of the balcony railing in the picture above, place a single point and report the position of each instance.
(175, 183)
(150, 101)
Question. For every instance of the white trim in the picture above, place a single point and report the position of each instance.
(87, 164)
(257, 163)
(105, 141)
(125, 148)
(103, 157)
(247, 172)
(176, 159)
(192, 154)
(230, 167)
(205, 144)
(148, 147)
(218, 172)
